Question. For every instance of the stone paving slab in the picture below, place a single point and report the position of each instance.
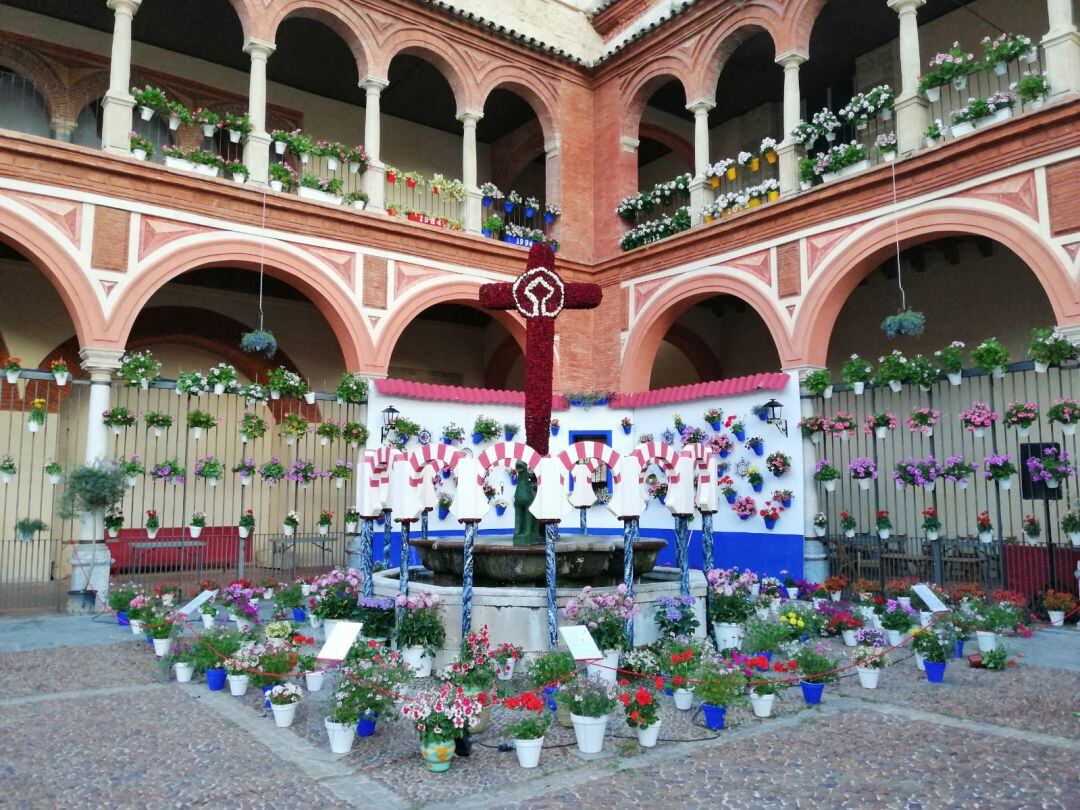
(69, 669)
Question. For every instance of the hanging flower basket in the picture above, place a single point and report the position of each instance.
(907, 323)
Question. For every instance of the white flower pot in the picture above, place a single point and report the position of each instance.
(978, 433)
(827, 393)
(896, 386)
(506, 673)
(828, 177)
(1057, 617)
(354, 167)
(284, 714)
(1023, 432)
(1051, 483)
(162, 647)
(323, 530)
(314, 681)
(881, 432)
(208, 620)
(55, 479)
(1074, 538)
(243, 532)
(607, 669)
(855, 168)
(333, 164)
(819, 531)
(1000, 68)
(152, 533)
(1067, 430)
(849, 638)
(276, 185)
(962, 129)
(287, 530)
(118, 430)
(159, 432)
(309, 397)
(183, 672)
(212, 482)
(986, 537)
(238, 684)
(998, 372)
(816, 438)
(359, 205)
(136, 627)
(930, 143)
(528, 752)
(350, 528)
(589, 732)
(962, 483)
(280, 147)
(33, 427)
(728, 635)
(197, 433)
(314, 621)
(195, 531)
(884, 533)
(245, 480)
(341, 736)
(242, 624)
(792, 593)
(868, 677)
(174, 122)
(804, 185)
(895, 637)
(684, 699)
(931, 535)
(988, 642)
(1005, 484)
(416, 658)
(858, 388)
(113, 533)
(304, 158)
(762, 704)
(864, 484)
(762, 613)
(319, 196)
(209, 171)
(146, 113)
(235, 135)
(925, 618)
(830, 486)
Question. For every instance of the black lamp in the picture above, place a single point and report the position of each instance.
(389, 419)
(772, 410)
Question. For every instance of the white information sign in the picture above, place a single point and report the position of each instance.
(339, 642)
(580, 642)
(196, 603)
(929, 598)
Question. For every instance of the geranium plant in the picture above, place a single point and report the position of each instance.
(605, 614)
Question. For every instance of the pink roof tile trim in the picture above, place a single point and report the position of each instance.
(775, 381)
(717, 388)
(456, 393)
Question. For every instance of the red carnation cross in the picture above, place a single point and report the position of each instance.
(539, 295)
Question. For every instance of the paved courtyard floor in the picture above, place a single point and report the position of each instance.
(88, 720)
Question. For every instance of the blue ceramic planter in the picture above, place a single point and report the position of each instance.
(959, 652)
(935, 671)
(732, 497)
(508, 206)
(627, 428)
(549, 693)
(477, 438)
(744, 517)
(530, 213)
(764, 417)
(770, 524)
(500, 510)
(266, 695)
(508, 435)
(714, 715)
(740, 435)
(299, 615)
(758, 487)
(554, 431)
(759, 449)
(365, 726)
(215, 679)
(767, 654)
(485, 233)
(725, 453)
(661, 498)
(715, 425)
(786, 504)
(122, 619)
(447, 473)
(811, 692)
(486, 201)
(549, 218)
(443, 513)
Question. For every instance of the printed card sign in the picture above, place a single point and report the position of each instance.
(196, 603)
(580, 642)
(929, 598)
(339, 642)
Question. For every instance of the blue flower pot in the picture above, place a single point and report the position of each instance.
(122, 619)
(508, 206)
(758, 487)
(530, 213)
(549, 693)
(764, 417)
(447, 473)
(959, 652)
(714, 715)
(500, 510)
(627, 428)
(365, 726)
(661, 498)
(299, 615)
(549, 218)
(266, 695)
(770, 524)
(443, 513)
(149, 640)
(759, 449)
(935, 670)
(508, 435)
(744, 517)
(215, 679)
(786, 504)
(513, 480)
(485, 233)
(725, 453)
(486, 201)
(448, 442)
(732, 497)
(740, 435)
(811, 692)
(477, 438)
(715, 425)
(554, 431)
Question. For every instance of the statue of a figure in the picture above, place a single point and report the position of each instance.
(526, 527)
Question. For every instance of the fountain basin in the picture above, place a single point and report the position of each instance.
(497, 561)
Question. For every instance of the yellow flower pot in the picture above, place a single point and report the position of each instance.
(437, 754)
(774, 196)
(771, 157)
(708, 217)
(714, 182)
(755, 164)
(725, 214)
(755, 202)
(731, 173)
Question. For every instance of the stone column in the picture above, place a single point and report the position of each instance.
(699, 188)
(118, 103)
(815, 556)
(553, 181)
(787, 151)
(90, 559)
(473, 208)
(912, 108)
(1061, 45)
(257, 143)
(375, 176)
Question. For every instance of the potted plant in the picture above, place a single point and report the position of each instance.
(419, 631)
(606, 616)
(199, 422)
(118, 419)
(826, 474)
(928, 647)
(1066, 413)
(847, 524)
(590, 701)
(26, 528)
(813, 428)
(950, 361)
(770, 514)
(680, 659)
(290, 522)
(720, 687)
(778, 463)
(729, 610)
(999, 468)
(547, 671)
(282, 177)
(916, 472)
(284, 698)
(985, 527)
(1033, 89)
(886, 146)
(1070, 524)
(922, 420)
(528, 732)
(883, 523)
(246, 524)
(934, 134)
(818, 383)
(816, 669)
(978, 419)
(990, 356)
(1052, 467)
(1057, 604)
(856, 372)
(440, 716)
(897, 620)
(1049, 347)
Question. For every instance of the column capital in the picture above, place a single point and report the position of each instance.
(467, 117)
(258, 48)
(373, 84)
(629, 143)
(906, 6)
(100, 363)
(700, 105)
(1071, 332)
(802, 372)
(552, 147)
(790, 60)
(128, 7)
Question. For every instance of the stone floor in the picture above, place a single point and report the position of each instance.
(89, 721)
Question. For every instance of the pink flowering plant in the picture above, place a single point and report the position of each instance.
(978, 416)
(419, 622)
(842, 423)
(860, 468)
(720, 443)
(604, 614)
(744, 507)
(778, 463)
(1064, 412)
(809, 425)
(880, 419)
(440, 714)
(334, 594)
(922, 420)
(1021, 414)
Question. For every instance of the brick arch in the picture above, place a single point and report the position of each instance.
(346, 25)
(677, 296)
(531, 88)
(39, 73)
(673, 141)
(45, 248)
(800, 19)
(428, 46)
(716, 47)
(317, 282)
(859, 253)
(640, 86)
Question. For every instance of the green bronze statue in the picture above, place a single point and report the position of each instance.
(526, 527)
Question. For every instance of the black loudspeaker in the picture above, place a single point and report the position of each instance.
(1036, 490)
